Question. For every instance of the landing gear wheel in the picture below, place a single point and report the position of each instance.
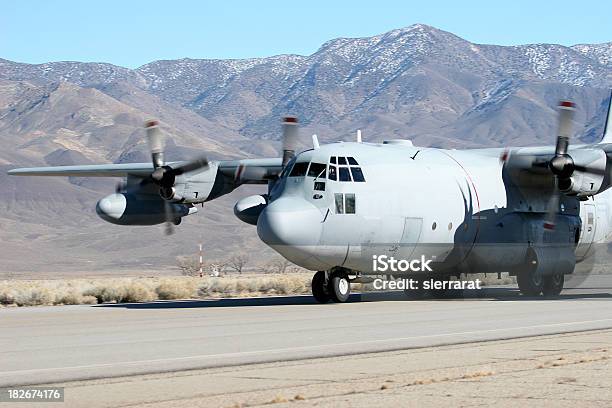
(553, 284)
(319, 287)
(339, 287)
(530, 282)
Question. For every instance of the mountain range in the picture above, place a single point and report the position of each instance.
(417, 83)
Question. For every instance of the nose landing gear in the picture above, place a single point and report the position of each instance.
(331, 285)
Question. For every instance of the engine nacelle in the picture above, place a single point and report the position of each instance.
(589, 182)
(170, 194)
(249, 208)
(131, 209)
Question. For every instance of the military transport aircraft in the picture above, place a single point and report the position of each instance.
(533, 212)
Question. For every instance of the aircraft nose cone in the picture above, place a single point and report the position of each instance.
(291, 226)
(111, 207)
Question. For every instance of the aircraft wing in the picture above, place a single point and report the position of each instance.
(251, 171)
(91, 170)
(247, 170)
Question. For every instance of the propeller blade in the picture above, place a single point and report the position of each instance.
(169, 226)
(592, 170)
(561, 165)
(192, 165)
(156, 143)
(566, 114)
(553, 207)
(290, 138)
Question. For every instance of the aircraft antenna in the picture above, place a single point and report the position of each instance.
(315, 142)
(358, 135)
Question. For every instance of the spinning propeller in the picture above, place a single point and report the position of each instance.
(165, 176)
(290, 140)
(562, 165)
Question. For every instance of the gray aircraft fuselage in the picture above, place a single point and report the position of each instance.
(456, 207)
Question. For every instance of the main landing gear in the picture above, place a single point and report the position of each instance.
(331, 285)
(532, 283)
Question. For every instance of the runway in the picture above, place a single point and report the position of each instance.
(55, 344)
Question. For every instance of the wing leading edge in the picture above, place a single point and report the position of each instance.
(92, 170)
(250, 169)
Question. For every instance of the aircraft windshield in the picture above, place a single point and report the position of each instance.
(317, 170)
(345, 169)
(299, 169)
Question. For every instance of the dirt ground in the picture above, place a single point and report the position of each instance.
(566, 370)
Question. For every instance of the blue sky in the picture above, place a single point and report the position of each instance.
(131, 33)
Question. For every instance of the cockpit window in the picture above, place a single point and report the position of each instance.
(357, 174)
(344, 169)
(317, 170)
(344, 174)
(333, 175)
(299, 169)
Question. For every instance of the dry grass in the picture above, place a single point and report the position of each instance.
(121, 290)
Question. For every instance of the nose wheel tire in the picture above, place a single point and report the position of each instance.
(319, 287)
(553, 284)
(339, 287)
(530, 282)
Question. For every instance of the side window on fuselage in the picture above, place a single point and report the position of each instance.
(345, 203)
(339, 199)
(349, 203)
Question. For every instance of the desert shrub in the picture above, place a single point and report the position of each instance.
(88, 300)
(105, 293)
(175, 289)
(34, 296)
(242, 286)
(188, 265)
(7, 296)
(71, 297)
(223, 286)
(137, 292)
(122, 291)
(89, 291)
